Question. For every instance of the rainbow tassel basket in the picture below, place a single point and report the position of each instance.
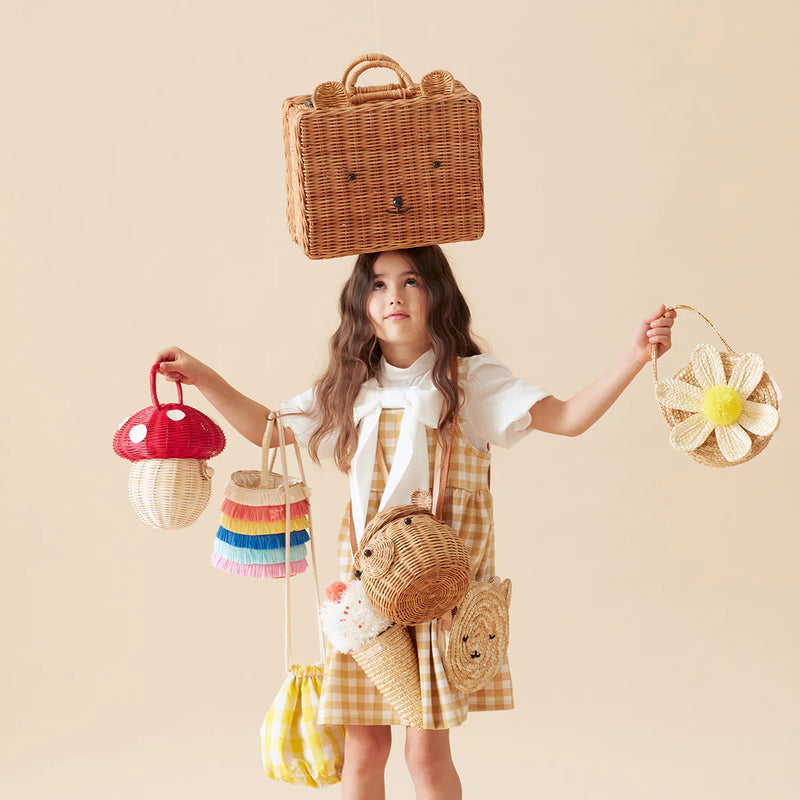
(266, 520)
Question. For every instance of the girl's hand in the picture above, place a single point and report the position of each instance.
(177, 365)
(655, 329)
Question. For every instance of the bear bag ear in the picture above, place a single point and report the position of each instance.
(440, 81)
(330, 94)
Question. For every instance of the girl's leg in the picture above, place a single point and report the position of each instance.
(431, 765)
(366, 751)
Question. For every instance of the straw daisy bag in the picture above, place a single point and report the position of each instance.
(726, 394)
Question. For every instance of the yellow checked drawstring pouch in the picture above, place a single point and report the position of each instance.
(295, 749)
(725, 394)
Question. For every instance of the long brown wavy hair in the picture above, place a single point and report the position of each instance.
(355, 352)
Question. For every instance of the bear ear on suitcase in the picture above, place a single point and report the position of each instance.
(438, 82)
(330, 94)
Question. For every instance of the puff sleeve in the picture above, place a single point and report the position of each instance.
(302, 422)
(496, 404)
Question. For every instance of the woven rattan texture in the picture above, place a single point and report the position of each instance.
(390, 662)
(371, 168)
(414, 568)
(478, 641)
(709, 453)
(169, 493)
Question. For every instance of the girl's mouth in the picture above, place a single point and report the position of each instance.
(397, 316)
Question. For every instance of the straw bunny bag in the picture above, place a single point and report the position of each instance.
(294, 748)
(727, 394)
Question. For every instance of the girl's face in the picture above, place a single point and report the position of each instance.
(397, 305)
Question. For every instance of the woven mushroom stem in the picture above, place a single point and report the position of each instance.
(478, 640)
(169, 493)
(414, 567)
(390, 662)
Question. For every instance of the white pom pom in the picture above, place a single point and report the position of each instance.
(350, 622)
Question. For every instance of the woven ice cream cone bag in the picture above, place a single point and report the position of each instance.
(383, 649)
(266, 519)
(722, 407)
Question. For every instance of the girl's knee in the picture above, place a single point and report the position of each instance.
(428, 754)
(367, 746)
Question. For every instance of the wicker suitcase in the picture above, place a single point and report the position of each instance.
(375, 168)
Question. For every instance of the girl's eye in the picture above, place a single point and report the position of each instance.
(412, 282)
(378, 285)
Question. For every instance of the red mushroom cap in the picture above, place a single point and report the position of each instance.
(168, 430)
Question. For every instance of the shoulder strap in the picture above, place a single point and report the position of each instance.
(441, 469)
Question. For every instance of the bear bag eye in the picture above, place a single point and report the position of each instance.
(367, 553)
(465, 639)
(351, 176)
(491, 636)
(437, 164)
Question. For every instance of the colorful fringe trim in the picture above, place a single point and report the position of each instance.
(246, 555)
(262, 528)
(268, 542)
(258, 570)
(263, 513)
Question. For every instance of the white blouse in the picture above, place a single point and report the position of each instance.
(496, 406)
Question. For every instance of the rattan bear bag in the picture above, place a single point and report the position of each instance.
(414, 566)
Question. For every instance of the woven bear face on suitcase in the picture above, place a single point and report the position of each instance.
(379, 168)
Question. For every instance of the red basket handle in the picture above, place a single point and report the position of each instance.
(153, 395)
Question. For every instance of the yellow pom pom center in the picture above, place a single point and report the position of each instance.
(722, 405)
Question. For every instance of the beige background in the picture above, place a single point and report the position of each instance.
(634, 153)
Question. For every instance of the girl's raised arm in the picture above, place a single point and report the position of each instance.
(247, 416)
(576, 415)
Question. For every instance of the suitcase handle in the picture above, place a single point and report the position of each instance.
(392, 91)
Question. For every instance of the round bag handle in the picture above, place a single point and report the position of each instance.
(654, 347)
(153, 395)
(360, 94)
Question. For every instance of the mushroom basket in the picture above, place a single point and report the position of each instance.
(169, 444)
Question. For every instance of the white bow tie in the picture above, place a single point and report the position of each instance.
(422, 406)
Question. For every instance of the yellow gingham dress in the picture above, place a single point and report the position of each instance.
(348, 695)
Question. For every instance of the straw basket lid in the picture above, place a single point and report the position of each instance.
(168, 430)
(728, 395)
(478, 640)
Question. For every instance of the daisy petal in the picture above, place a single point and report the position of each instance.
(683, 396)
(691, 433)
(758, 418)
(733, 441)
(707, 366)
(746, 374)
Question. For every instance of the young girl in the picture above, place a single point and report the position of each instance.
(403, 318)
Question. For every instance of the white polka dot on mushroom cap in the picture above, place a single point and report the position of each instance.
(137, 433)
(176, 414)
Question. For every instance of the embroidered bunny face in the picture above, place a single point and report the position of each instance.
(414, 567)
(479, 635)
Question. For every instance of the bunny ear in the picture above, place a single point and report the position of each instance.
(422, 498)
